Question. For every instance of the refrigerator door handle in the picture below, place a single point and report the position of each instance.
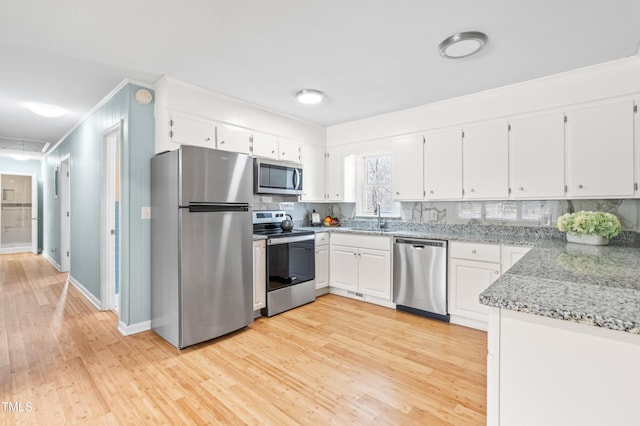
(217, 207)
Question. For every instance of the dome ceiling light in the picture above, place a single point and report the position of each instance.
(310, 96)
(461, 45)
(44, 110)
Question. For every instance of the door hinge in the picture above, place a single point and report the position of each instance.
(67, 174)
(635, 186)
(565, 189)
(424, 193)
(67, 254)
(509, 190)
(171, 123)
(463, 192)
(424, 140)
(509, 127)
(565, 118)
(635, 109)
(463, 133)
(67, 214)
(170, 133)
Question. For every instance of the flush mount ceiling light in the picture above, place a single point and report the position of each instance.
(310, 96)
(44, 110)
(462, 44)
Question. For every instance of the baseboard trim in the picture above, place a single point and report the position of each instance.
(51, 261)
(128, 330)
(86, 293)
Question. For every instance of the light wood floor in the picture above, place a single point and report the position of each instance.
(334, 361)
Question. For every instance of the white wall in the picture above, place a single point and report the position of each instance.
(621, 77)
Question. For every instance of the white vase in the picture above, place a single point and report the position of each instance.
(594, 240)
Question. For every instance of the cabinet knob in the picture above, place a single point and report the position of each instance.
(273, 151)
(337, 195)
(207, 139)
(497, 272)
(579, 186)
(472, 190)
(355, 254)
(221, 142)
(282, 152)
(397, 193)
(431, 192)
(521, 189)
(473, 251)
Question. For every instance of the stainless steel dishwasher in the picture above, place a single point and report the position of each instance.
(420, 277)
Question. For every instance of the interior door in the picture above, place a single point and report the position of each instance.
(18, 233)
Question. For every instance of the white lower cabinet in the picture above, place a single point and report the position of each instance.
(322, 260)
(472, 268)
(361, 267)
(259, 274)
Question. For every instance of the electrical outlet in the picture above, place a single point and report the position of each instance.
(433, 215)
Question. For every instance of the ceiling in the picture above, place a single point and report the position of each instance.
(368, 56)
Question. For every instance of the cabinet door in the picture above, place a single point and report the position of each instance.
(374, 273)
(467, 279)
(536, 156)
(313, 173)
(334, 175)
(485, 161)
(344, 267)
(264, 145)
(600, 151)
(259, 275)
(511, 254)
(407, 168)
(443, 165)
(231, 138)
(322, 266)
(186, 130)
(289, 150)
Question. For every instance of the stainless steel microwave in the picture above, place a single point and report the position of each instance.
(277, 177)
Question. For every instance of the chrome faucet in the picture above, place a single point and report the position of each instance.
(378, 211)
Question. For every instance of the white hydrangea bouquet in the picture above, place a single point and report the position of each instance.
(589, 227)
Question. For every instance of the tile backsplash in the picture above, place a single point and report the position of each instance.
(542, 213)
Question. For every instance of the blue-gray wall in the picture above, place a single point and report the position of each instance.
(84, 145)
(10, 165)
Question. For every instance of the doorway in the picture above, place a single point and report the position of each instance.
(65, 214)
(18, 213)
(111, 230)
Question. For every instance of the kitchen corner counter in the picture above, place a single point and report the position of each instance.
(593, 285)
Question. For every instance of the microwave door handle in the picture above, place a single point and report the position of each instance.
(296, 178)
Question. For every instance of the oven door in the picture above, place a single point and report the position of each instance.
(290, 261)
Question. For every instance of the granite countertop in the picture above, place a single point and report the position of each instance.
(594, 285)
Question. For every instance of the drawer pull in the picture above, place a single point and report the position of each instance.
(473, 251)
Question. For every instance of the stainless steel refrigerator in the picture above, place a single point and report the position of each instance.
(201, 244)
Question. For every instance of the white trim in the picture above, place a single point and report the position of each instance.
(127, 330)
(51, 261)
(86, 293)
(99, 105)
(19, 249)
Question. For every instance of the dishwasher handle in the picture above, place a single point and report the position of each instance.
(420, 244)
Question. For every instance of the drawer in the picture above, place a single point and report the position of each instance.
(322, 238)
(375, 242)
(475, 251)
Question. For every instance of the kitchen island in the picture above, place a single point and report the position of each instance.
(564, 337)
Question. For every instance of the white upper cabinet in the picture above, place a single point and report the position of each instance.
(600, 150)
(334, 190)
(536, 156)
(485, 161)
(232, 138)
(407, 168)
(288, 150)
(443, 165)
(265, 146)
(312, 158)
(188, 130)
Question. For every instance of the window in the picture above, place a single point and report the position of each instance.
(377, 184)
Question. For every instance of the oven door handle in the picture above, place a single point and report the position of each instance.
(287, 240)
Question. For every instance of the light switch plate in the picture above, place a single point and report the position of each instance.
(434, 214)
(286, 205)
(146, 213)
